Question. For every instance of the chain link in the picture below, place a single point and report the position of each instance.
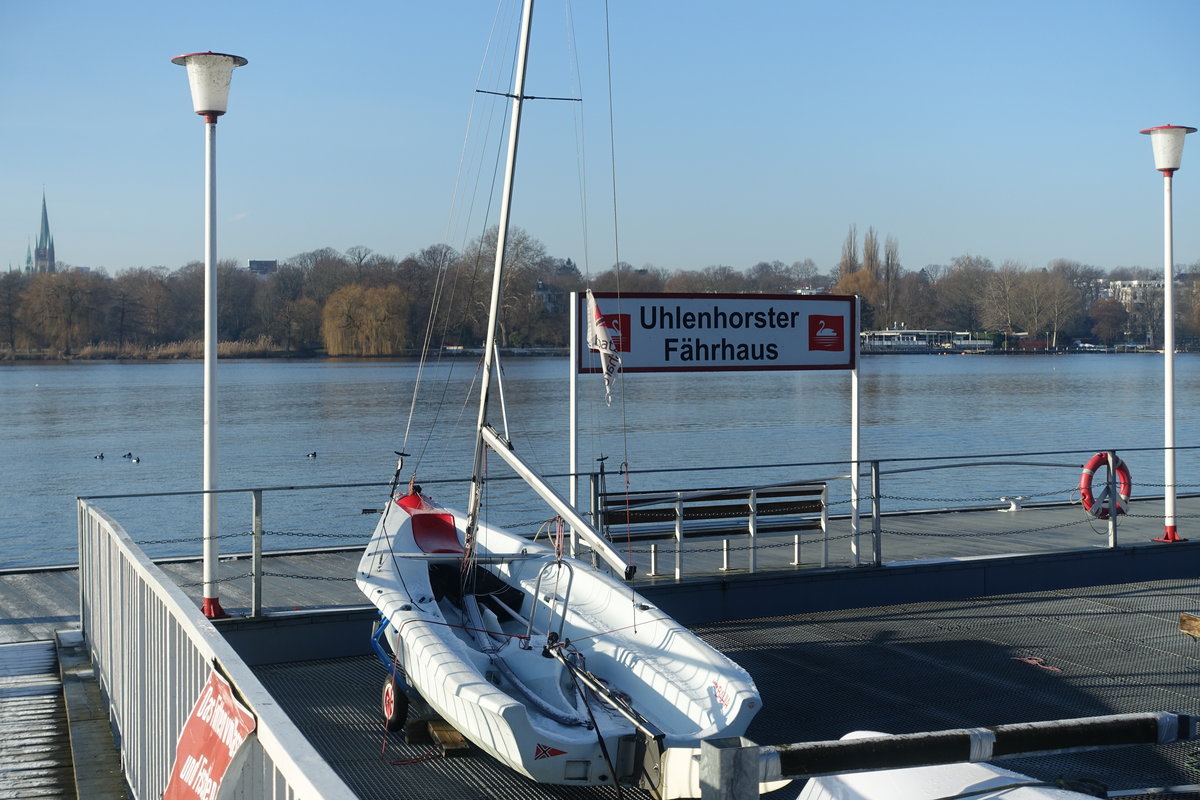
(245, 575)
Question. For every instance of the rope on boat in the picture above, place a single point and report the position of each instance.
(587, 705)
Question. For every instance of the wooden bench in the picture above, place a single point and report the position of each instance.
(714, 513)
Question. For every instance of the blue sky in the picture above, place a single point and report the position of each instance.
(744, 131)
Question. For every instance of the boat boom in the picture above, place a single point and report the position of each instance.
(557, 502)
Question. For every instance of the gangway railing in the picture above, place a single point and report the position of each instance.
(152, 650)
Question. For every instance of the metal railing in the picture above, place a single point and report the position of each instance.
(747, 512)
(152, 650)
(907, 510)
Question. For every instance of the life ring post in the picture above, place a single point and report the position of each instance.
(1105, 505)
(1170, 534)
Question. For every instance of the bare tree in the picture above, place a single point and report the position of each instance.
(867, 287)
(870, 256)
(771, 277)
(849, 259)
(1031, 300)
(11, 285)
(625, 278)
(889, 277)
(1001, 298)
(1089, 282)
(960, 292)
(1108, 318)
(1062, 304)
(806, 272)
(915, 303)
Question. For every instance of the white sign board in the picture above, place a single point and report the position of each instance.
(723, 332)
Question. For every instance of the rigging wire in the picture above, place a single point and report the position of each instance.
(612, 143)
(446, 287)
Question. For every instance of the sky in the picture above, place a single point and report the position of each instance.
(708, 132)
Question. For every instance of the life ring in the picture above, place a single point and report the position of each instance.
(1098, 506)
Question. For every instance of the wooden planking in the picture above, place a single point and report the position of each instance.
(35, 757)
(36, 603)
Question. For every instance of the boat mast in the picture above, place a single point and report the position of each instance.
(489, 348)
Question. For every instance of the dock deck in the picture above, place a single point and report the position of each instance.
(963, 634)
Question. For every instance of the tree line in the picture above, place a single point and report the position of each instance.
(361, 303)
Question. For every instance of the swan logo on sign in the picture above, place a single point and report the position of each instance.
(826, 332)
(619, 328)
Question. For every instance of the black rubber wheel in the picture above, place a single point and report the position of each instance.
(394, 703)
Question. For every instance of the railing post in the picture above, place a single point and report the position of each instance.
(256, 553)
(753, 526)
(795, 550)
(653, 558)
(597, 513)
(1113, 499)
(724, 555)
(876, 527)
(679, 536)
(824, 528)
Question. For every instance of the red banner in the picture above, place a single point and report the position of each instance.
(209, 742)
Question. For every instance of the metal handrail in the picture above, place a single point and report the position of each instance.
(152, 650)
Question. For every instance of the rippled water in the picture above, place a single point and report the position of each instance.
(354, 415)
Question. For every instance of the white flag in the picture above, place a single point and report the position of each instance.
(600, 339)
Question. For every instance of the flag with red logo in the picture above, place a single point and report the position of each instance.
(600, 339)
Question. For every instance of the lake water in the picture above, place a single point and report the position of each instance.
(354, 415)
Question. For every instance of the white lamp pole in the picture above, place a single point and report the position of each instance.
(1167, 141)
(209, 75)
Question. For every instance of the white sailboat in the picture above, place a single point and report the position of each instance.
(551, 665)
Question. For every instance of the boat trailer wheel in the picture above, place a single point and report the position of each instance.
(394, 703)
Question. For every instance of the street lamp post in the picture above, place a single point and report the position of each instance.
(209, 75)
(1167, 141)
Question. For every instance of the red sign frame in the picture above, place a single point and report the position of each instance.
(676, 332)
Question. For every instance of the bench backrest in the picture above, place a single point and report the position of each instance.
(655, 508)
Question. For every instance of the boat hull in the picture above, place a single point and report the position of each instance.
(490, 673)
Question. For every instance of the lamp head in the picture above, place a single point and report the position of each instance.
(1167, 141)
(209, 75)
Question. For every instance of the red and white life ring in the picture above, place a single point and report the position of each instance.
(1099, 506)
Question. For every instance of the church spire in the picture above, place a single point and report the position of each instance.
(43, 258)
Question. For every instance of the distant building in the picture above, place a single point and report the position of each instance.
(552, 299)
(262, 268)
(1136, 295)
(41, 258)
